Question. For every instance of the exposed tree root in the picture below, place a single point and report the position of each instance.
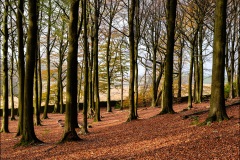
(70, 136)
(167, 111)
(32, 141)
(131, 118)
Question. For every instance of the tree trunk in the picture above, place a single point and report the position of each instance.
(232, 59)
(71, 91)
(5, 122)
(11, 73)
(132, 115)
(179, 93)
(217, 104)
(108, 59)
(137, 37)
(122, 87)
(91, 75)
(36, 107)
(28, 135)
(59, 79)
(45, 116)
(85, 93)
(201, 74)
(36, 92)
(167, 101)
(21, 66)
(190, 76)
(196, 73)
(154, 88)
(95, 52)
(238, 71)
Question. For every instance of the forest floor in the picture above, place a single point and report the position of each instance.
(172, 136)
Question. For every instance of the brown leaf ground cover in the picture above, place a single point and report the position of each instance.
(162, 137)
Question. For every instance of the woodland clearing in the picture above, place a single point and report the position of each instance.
(170, 136)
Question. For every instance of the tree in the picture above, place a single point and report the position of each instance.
(97, 4)
(71, 91)
(136, 43)
(168, 70)
(232, 42)
(28, 135)
(48, 59)
(217, 104)
(61, 54)
(112, 12)
(21, 65)
(12, 70)
(85, 63)
(5, 69)
(132, 114)
(37, 121)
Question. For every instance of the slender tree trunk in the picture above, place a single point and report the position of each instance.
(167, 101)
(137, 37)
(232, 59)
(11, 90)
(36, 92)
(21, 67)
(228, 68)
(59, 79)
(136, 88)
(196, 72)
(108, 59)
(132, 115)
(179, 94)
(91, 61)
(145, 86)
(238, 71)
(122, 76)
(28, 135)
(5, 120)
(201, 75)
(95, 52)
(39, 64)
(71, 91)
(11, 73)
(91, 75)
(85, 93)
(45, 116)
(113, 7)
(217, 104)
(190, 99)
(36, 107)
(154, 88)
(122, 87)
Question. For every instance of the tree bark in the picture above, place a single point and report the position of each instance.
(21, 66)
(179, 93)
(132, 115)
(85, 41)
(167, 100)
(217, 104)
(5, 122)
(201, 74)
(71, 91)
(28, 135)
(11, 73)
(45, 116)
(136, 42)
(95, 52)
